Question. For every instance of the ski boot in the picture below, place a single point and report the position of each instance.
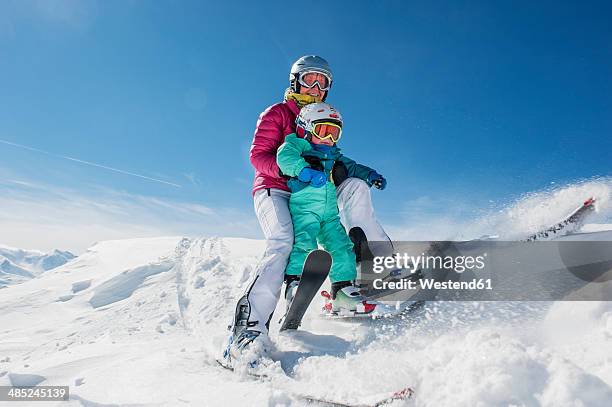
(346, 300)
(239, 347)
(243, 338)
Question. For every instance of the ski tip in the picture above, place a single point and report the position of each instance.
(403, 394)
(589, 201)
(368, 307)
(224, 364)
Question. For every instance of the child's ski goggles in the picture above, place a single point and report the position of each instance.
(310, 78)
(327, 130)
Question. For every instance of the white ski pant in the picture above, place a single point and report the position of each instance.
(272, 209)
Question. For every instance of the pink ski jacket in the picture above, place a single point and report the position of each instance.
(273, 125)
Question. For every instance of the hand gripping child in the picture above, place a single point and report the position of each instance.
(310, 158)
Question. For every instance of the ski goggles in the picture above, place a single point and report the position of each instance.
(327, 130)
(309, 79)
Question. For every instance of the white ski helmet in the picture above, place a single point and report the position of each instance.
(314, 113)
(309, 63)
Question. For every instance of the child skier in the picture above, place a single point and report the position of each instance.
(310, 158)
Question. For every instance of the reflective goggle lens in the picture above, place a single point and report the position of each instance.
(325, 131)
(310, 79)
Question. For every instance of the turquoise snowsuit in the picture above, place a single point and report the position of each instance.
(314, 211)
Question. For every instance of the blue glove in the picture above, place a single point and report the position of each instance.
(377, 180)
(315, 178)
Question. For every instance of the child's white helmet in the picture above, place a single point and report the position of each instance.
(314, 113)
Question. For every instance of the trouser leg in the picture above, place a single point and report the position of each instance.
(356, 210)
(261, 297)
(334, 239)
(306, 227)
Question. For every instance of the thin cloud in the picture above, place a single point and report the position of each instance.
(37, 150)
(193, 179)
(45, 217)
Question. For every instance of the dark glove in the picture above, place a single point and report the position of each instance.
(315, 178)
(376, 180)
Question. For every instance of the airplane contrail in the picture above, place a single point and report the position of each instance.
(89, 163)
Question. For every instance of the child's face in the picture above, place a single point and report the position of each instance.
(327, 132)
(327, 142)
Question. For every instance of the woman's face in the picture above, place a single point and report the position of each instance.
(314, 91)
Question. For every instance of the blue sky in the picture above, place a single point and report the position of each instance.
(463, 106)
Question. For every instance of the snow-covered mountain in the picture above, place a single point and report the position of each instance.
(19, 265)
(140, 322)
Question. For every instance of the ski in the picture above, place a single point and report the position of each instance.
(249, 373)
(315, 271)
(403, 394)
(570, 224)
(383, 310)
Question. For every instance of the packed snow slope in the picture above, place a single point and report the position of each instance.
(140, 322)
(19, 265)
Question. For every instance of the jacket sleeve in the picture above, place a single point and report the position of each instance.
(355, 170)
(289, 155)
(268, 136)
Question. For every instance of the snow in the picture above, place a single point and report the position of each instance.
(530, 213)
(539, 209)
(141, 322)
(148, 317)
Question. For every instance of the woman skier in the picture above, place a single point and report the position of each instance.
(310, 80)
